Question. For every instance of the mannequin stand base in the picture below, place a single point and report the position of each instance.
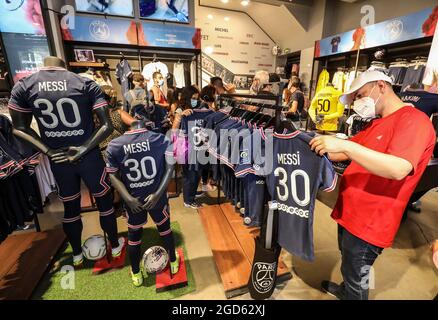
(108, 263)
(166, 282)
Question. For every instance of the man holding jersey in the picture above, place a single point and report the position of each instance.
(388, 160)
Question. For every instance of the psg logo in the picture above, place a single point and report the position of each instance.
(11, 5)
(394, 29)
(99, 30)
(263, 276)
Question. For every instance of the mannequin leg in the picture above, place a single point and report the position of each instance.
(136, 221)
(161, 218)
(93, 173)
(69, 192)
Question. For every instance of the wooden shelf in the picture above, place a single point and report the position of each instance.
(88, 64)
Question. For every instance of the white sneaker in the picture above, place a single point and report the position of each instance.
(199, 194)
(117, 251)
(193, 205)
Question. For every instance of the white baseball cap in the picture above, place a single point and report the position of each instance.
(363, 79)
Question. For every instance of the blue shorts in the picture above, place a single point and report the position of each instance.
(159, 215)
(91, 168)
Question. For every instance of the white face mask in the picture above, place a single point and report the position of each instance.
(366, 107)
(160, 82)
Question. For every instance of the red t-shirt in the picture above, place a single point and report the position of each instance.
(371, 207)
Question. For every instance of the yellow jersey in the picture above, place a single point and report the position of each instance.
(323, 79)
(326, 102)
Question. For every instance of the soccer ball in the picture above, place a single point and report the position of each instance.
(94, 248)
(155, 259)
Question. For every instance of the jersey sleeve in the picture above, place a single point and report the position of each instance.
(112, 164)
(327, 176)
(18, 101)
(96, 95)
(412, 127)
(168, 150)
(184, 131)
(118, 72)
(312, 108)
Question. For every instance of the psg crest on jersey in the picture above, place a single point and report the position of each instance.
(11, 5)
(99, 30)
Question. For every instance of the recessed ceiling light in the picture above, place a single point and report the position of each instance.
(244, 3)
(227, 18)
(210, 16)
(225, 1)
(209, 50)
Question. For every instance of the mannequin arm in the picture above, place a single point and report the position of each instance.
(338, 114)
(22, 130)
(133, 203)
(152, 199)
(75, 153)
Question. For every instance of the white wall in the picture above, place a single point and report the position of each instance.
(238, 44)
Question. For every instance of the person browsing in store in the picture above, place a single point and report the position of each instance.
(388, 160)
(192, 171)
(138, 95)
(157, 90)
(295, 107)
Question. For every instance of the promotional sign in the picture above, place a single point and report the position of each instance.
(95, 29)
(414, 26)
(115, 7)
(431, 74)
(168, 36)
(21, 16)
(235, 42)
(173, 10)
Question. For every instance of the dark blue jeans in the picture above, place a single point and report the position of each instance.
(358, 257)
(191, 182)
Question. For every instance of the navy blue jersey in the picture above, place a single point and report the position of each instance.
(191, 128)
(422, 100)
(157, 115)
(296, 176)
(62, 103)
(140, 157)
(123, 72)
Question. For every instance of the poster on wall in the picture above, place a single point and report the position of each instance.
(168, 36)
(431, 75)
(165, 10)
(21, 16)
(215, 69)
(414, 26)
(234, 41)
(24, 36)
(112, 7)
(25, 52)
(95, 29)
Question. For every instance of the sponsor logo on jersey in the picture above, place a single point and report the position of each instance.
(244, 157)
(99, 30)
(263, 276)
(294, 211)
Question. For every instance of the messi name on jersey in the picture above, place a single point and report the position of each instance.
(137, 147)
(52, 86)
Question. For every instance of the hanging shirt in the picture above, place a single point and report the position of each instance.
(140, 156)
(294, 175)
(193, 72)
(191, 128)
(62, 103)
(123, 72)
(422, 100)
(371, 207)
(178, 73)
(339, 80)
(323, 79)
(326, 102)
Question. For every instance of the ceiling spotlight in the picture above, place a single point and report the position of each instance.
(210, 16)
(227, 18)
(244, 3)
(208, 50)
(225, 1)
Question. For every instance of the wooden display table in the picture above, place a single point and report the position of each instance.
(233, 248)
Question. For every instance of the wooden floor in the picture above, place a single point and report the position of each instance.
(233, 247)
(24, 259)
